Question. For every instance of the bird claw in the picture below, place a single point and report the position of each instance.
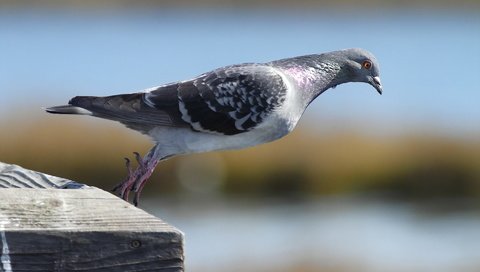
(127, 164)
(139, 159)
(130, 171)
(136, 199)
(135, 180)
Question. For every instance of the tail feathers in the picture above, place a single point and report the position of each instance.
(68, 109)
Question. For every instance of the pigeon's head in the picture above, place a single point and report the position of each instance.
(359, 65)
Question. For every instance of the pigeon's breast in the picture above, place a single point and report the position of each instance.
(186, 140)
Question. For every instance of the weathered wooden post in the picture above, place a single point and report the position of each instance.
(53, 224)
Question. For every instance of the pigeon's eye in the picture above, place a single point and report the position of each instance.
(367, 64)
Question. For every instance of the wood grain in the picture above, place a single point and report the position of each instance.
(83, 229)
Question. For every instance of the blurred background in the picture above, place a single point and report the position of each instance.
(365, 183)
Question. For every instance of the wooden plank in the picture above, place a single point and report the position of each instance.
(14, 176)
(82, 230)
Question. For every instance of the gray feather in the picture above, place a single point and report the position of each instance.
(68, 109)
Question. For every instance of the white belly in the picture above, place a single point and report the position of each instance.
(185, 141)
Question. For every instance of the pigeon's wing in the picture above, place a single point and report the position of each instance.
(228, 100)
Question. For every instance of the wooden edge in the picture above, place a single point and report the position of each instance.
(14, 176)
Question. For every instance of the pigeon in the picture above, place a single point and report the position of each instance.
(232, 107)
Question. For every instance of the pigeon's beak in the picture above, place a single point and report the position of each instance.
(376, 83)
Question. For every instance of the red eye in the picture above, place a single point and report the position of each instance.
(367, 64)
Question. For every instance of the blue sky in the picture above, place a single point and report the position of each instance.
(429, 60)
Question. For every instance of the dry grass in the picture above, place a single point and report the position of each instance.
(303, 163)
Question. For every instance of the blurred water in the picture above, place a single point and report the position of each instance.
(429, 58)
(352, 234)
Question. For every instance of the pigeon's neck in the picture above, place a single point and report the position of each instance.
(312, 76)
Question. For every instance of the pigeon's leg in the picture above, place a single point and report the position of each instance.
(125, 186)
(147, 166)
(137, 179)
(143, 171)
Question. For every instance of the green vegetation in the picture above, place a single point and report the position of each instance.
(303, 164)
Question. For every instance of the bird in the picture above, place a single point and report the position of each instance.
(231, 107)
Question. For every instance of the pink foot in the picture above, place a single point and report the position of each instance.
(125, 186)
(148, 168)
(136, 180)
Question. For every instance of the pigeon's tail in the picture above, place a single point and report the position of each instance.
(68, 109)
(82, 105)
